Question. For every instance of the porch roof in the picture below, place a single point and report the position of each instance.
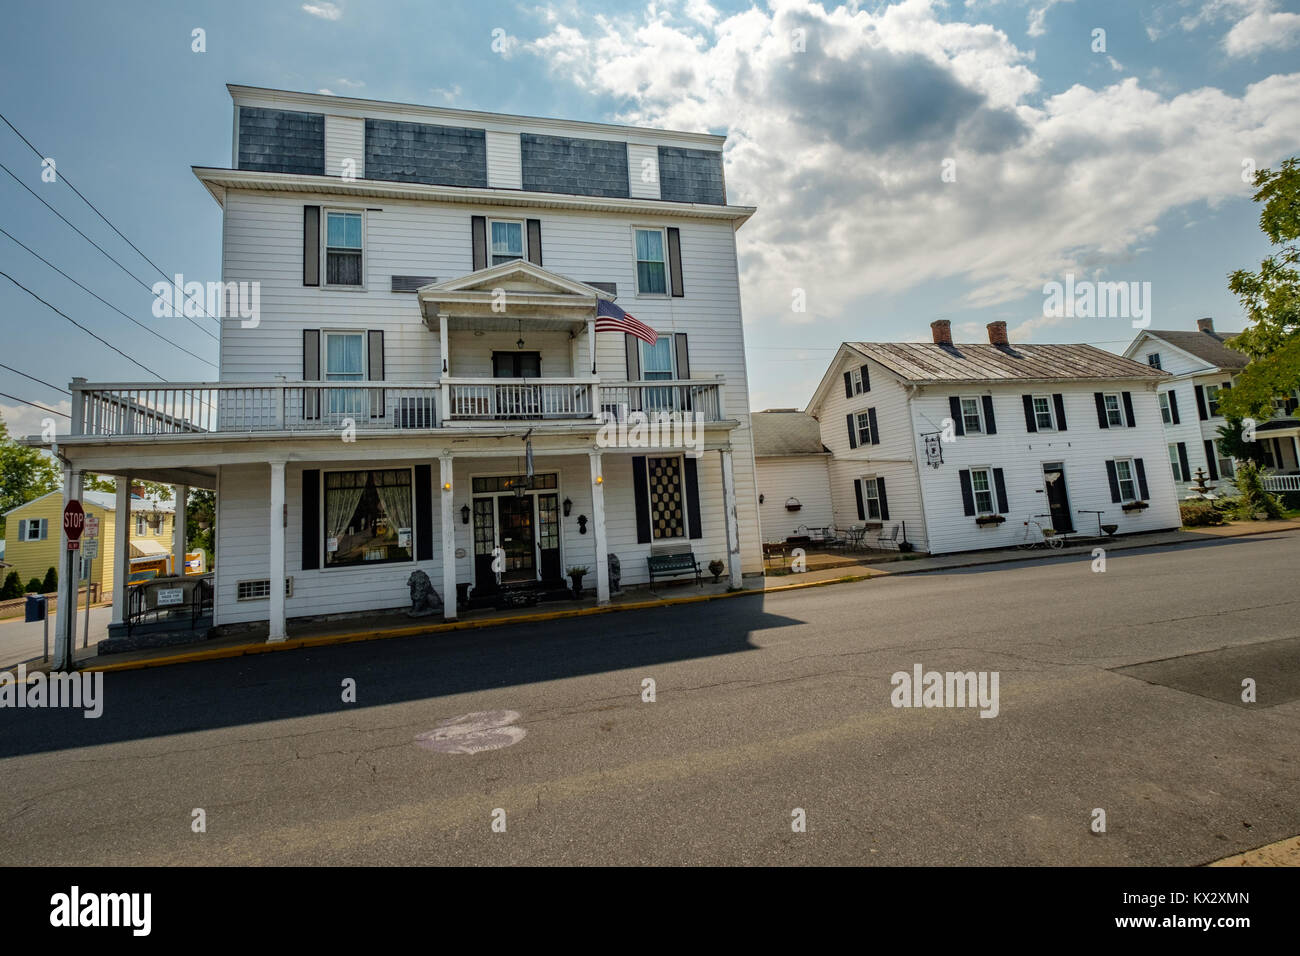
(543, 298)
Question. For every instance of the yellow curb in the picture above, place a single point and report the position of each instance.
(325, 640)
(1282, 853)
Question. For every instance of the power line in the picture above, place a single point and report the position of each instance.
(80, 326)
(106, 253)
(68, 181)
(44, 408)
(35, 379)
(105, 301)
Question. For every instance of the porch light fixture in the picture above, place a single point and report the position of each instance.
(464, 514)
(568, 506)
(600, 479)
(446, 486)
(520, 342)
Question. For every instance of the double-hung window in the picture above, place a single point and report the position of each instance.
(971, 416)
(651, 262)
(981, 483)
(343, 244)
(863, 421)
(1175, 462)
(1043, 416)
(507, 240)
(1153, 359)
(871, 499)
(855, 380)
(1212, 400)
(1128, 490)
(140, 526)
(34, 529)
(1114, 411)
(1166, 413)
(345, 362)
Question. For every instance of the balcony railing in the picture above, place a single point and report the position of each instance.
(493, 399)
(679, 396)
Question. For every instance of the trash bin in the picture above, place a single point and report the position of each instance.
(35, 607)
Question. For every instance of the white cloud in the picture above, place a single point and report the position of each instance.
(24, 420)
(323, 9)
(449, 94)
(1257, 25)
(351, 84)
(325, 90)
(1038, 15)
(841, 147)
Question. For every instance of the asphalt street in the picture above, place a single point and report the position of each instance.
(1118, 690)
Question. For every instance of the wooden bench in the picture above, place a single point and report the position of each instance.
(672, 560)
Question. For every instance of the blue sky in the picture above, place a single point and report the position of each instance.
(1122, 164)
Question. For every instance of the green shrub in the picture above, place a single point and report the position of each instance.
(1198, 514)
(1254, 500)
(12, 588)
(51, 582)
(34, 586)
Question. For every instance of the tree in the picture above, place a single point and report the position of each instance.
(1271, 298)
(51, 582)
(34, 586)
(1254, 500)
(151, 489)
(12, 588)
(200, 510)
(1231, 443)
(25, 473)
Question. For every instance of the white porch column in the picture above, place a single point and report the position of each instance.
(121, 548)
(444, 394)
(733, 521)
(275, 544)
(598, 529)
(65, 637)
(181, 495)
(591, 345)
(448, 539)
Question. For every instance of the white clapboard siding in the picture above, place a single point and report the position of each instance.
(504, 162)
(345, 140)
(643, 171)
(805, 477)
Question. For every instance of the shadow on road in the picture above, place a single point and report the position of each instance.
(184, 698)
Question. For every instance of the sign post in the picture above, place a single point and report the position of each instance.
(74, 523)
(89, 552)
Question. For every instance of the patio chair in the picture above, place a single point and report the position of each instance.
(886, 541)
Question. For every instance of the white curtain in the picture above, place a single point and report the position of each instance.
(396, 500)
(340, 506)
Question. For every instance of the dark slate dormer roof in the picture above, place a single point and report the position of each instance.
(785, 431)
(921, 362)
(1209, 347)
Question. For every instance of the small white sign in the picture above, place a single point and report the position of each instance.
(170, 596)
(92, 527)
(90, 548)
(331, 544)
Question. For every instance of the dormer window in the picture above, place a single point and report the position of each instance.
(1153, 359)
(507, 240)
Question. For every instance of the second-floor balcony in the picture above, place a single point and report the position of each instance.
(144, 409)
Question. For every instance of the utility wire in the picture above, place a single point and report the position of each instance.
(35, 379)
(44, 408)
(105, 301)
(106, 253)
(82, 327)
(97, 212)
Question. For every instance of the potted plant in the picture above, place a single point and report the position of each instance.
(716, 567)
(1135, 506)
(576, 574)
(983, 520)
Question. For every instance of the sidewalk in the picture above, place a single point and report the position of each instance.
(823, 570)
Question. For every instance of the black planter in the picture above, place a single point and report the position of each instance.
(577, 584)
(990, 520)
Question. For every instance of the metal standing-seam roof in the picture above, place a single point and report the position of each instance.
(929, 362)
(784, 432)
(1209, 347)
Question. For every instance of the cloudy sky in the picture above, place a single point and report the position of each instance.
(910, 160)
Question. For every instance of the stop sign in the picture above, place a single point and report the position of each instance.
(74, 520)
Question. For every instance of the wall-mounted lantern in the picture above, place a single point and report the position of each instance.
(568, 506)
(464, 514)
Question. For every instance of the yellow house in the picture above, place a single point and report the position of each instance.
(32, 533)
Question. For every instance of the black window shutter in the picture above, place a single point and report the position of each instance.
(1000, 484)
(1173, 406)
(1128, 409)
(675, 261)
(866, 379)
(692, 497)
(478, 241)
(641, 493)
(853, 432)
(1211, 460)
(848, 384)
(1031, 423)
(1200, 402)
(311, 372)
(632, 349)
(857, 491)
(375, 372)
(990, 423)
(875, 432)
(1142, 478)
(1058, 400)
(311, 519)
(311, 245)
(967, 492)
(535, 241)
(1182, 461)
(1113, 477)
(683, 355)
(423, 512)
(954, 410)
(884, 502)
(1101, 412)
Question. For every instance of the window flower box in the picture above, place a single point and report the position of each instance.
(792, 504)
(988, 520)
(1135, 506)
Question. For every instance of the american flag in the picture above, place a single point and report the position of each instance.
(610, 318)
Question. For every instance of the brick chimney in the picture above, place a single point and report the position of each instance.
(1205, 325)
(941, 329)
(997, 333)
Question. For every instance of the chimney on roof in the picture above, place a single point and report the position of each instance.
(997, 333)
(1205, 325)
(941, 329)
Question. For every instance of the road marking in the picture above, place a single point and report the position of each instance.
(473, 733)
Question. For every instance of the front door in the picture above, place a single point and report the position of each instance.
(1058, 501)
(517, 538)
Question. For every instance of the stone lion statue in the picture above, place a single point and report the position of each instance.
(424, 599)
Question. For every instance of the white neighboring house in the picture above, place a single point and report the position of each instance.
(793, 475)
(1056, 430)
(1201, 365)
(429, 283)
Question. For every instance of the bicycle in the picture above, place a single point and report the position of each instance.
(1046, 536)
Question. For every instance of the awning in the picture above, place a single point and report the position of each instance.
(144, 548)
